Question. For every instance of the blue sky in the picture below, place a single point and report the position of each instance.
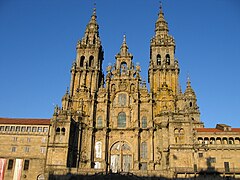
(38, 40)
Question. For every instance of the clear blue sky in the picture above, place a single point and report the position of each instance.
(38, 40)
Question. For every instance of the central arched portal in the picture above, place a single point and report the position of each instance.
(121, 157)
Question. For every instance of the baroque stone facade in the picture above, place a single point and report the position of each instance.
(117, 125)
(114, 124)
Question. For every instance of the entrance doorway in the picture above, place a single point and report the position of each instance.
(121, 157)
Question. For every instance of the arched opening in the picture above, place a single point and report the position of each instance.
(176, 135)
(121, 120)
(121, 157)
(237, 140)
(63, 131)
(200, 140)
(40, 177)
(181, 135)
(82, 61)
(190, 104)
(113, 88)
(212, 140)
(91, 58)
(123, 68)
(225, 141)
(231, 140)
(206, 140)
(158, 59)
(218, 140)
(58, 130)
(144, 122)
(168, 59)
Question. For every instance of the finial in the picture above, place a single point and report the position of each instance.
(160, 2)
(188, 80)
(67, 91)
(94, 8)
(124, 38)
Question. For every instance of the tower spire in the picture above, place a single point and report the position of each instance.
(124, 47)
(161, 26)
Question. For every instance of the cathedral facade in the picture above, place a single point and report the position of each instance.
(113, 124)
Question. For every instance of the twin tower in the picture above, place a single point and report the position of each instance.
(113, 123)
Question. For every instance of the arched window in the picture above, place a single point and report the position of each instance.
(144, 122)
(63, 131)
(144, 150)
(82, 61)
(113, 87)
(158, 59)
(121, 120)
(168, 59)
(99, 122)
(218, 140)
(91, 58)
(123, 67)
(212, 140)
(58, 130)
(190, 104)
(181, 132)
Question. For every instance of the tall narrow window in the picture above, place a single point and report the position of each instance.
(39, 129)
(28, 129)
(26, 165)
(34, 129)
(14, 149)
(7, 128)
(91, 58)
(226, 167)
(168, 59)
(190, 104)
(45, 129)
(144, 122)
(63, 130)
(98, 149)
(82, 61)
(58, 131)
(10, 164)
(26, 149)
(121, 120)
(99, 122)
(144, 150)
(158, 59)
(23, 129)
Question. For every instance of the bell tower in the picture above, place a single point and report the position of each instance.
(163, 68)
(86, 72)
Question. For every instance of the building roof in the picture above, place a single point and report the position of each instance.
(216, 130)
(26, 121)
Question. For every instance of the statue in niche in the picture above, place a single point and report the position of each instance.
(122, 99)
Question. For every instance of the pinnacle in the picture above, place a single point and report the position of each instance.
(124, 47)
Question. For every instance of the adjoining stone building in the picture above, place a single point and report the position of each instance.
(23, 148)
(115, 124)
